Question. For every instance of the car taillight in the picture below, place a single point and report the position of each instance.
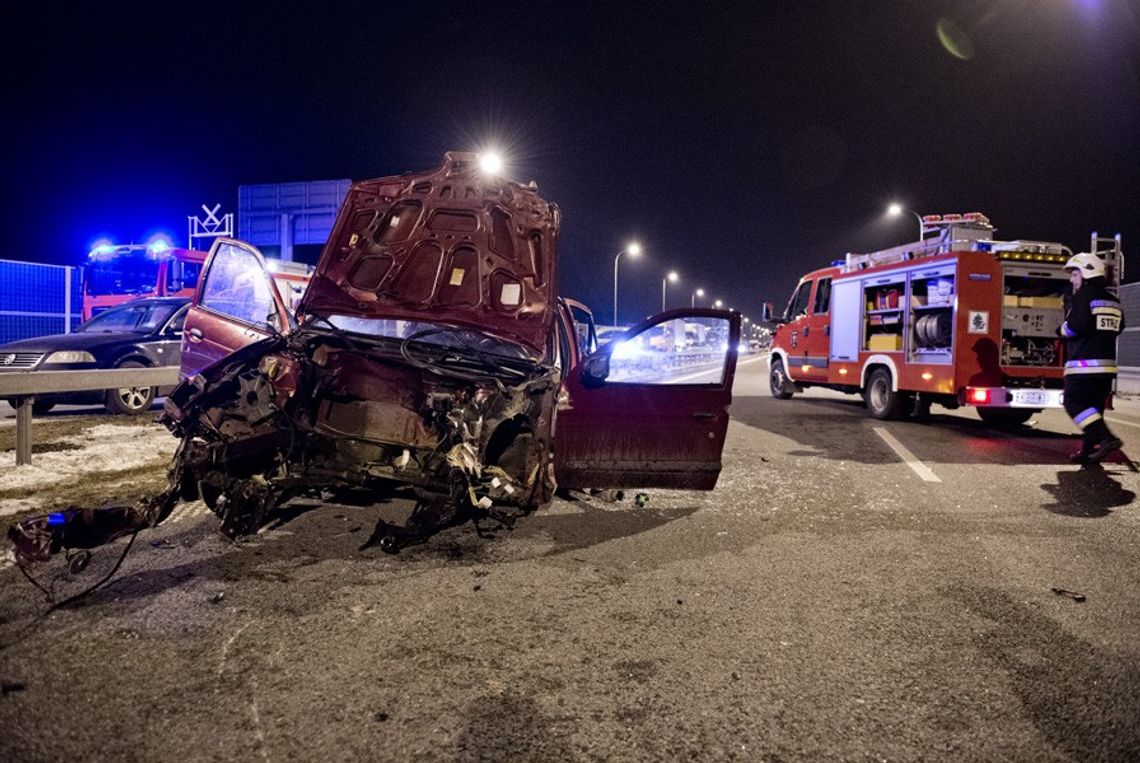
(978, 396)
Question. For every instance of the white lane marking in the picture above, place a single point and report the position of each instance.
(921, 469)
(706, 372)
(1115, 420)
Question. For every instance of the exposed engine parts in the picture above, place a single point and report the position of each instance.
(282, 419)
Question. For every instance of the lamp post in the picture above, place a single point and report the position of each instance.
(670, 276)
(697, 293)
(633, 249)
(894, 210)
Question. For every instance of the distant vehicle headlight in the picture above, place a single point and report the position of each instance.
(70, 356)
(625, 350)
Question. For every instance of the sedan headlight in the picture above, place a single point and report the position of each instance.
(70, 356)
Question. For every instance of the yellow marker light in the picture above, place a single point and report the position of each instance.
(805, 368)
(927, 376)
(843, 372)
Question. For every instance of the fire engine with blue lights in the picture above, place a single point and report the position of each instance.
(956, 318)
(117, 274)
(114, 274)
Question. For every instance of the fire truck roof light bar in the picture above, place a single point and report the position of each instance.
(1032, 256)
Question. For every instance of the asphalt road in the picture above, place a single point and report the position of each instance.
(852, 589)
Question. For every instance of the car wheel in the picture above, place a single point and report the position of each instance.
(131, 401)
(882, 401)
(39, 409)
(778, 381)
(1006, 417)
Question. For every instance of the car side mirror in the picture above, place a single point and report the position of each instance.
(595, 369)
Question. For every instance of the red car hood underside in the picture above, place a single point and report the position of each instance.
(451, 246)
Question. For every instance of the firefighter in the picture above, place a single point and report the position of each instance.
(1092, 323)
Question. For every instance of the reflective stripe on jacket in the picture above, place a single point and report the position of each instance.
(1092, 323)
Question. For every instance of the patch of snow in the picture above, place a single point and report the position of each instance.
(102, 448)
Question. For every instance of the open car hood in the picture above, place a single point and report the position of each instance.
(450, 246)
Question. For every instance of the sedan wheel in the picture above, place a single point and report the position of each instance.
(131, 401)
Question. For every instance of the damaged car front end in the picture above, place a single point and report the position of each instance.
(449, 412)
(430, 353)
(419, 356)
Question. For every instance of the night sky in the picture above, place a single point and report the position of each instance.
(741, 144)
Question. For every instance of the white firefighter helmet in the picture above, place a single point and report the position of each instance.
(1089, 265)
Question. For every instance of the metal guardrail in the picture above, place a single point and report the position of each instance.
(22, 387)
(1128, 380)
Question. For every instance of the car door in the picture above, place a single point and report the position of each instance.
(816, 337)
(168, 346)
(650, 409)
(236, 304)
(791, 332)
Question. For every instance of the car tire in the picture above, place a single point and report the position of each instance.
(39, 409)
(778, 381)
(882, 401)
(130, 401)
(1007, 417)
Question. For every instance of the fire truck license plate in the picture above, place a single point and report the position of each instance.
(1035, 397)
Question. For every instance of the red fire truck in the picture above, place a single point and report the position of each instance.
(117, 274)
(956, 318)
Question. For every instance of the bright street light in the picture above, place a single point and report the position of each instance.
(896, 209)
(670, 276)
(633, 249)
(697, 293)
(718, 304)
(490, 163)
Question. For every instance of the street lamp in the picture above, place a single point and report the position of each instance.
(718, 304)
(670, 276)
(633, 249)
(697, 293)
(896, 209)
(491, 163)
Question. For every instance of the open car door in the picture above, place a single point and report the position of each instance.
(236, 303)
(650, 409)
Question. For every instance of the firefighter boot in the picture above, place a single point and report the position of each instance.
(1081, 456)
(1104, 442)
(1103, 448)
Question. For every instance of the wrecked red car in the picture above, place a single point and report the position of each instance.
(431, 350)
